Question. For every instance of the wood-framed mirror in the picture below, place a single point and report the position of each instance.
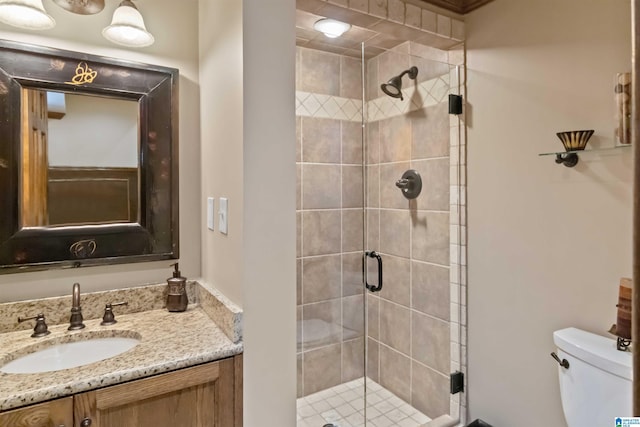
(88, 160)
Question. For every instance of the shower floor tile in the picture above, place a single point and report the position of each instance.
(343, 406)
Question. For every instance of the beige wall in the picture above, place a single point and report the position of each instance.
(177, 47)
(248, 134)
(547, 244)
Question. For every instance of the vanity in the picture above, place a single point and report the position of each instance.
(186, 369)
(96, 183)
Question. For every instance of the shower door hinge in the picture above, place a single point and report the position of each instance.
(457, 382)
(455, 104)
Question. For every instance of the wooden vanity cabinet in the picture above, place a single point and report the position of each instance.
(208, 395)
(56, 413)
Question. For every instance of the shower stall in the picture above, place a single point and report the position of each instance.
(380, 262)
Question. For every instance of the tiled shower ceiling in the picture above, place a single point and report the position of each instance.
(348, 44)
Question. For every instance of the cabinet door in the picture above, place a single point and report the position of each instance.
(57, 413)
(201, 396)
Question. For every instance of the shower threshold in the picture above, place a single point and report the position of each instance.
(342, 406)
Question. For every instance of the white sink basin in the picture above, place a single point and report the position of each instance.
(69, 355)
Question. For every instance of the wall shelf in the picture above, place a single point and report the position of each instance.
(570, 158)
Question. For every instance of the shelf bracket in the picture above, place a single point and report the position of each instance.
(567, 159)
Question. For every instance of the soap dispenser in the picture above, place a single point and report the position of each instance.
(177, 296)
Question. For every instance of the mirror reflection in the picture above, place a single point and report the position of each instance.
(80, 161)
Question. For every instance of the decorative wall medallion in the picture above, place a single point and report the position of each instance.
(84, 75)
(83, 248)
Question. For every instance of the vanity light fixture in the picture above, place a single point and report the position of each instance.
(331, 28)
(27, 14)
(127, 27)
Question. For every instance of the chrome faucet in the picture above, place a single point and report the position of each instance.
(75, 322)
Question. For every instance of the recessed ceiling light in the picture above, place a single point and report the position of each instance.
(331, 28)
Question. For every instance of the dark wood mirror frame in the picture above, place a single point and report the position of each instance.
(155, 235)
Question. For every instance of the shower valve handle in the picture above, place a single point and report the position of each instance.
(402, 183)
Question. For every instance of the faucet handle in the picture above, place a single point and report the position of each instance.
(41, 329)
(109, 318)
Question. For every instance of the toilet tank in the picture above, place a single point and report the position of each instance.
(596, 387)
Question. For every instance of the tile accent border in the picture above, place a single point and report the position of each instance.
(424, 94)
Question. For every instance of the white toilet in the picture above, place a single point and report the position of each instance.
(596, 387)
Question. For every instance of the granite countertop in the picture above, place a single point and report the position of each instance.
(168, 341)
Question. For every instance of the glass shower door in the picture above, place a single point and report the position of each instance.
(378, 331)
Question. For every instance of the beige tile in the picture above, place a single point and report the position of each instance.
(353, 316)
(350, 78)
(443, 25)
(373, 360)
(373, 186)
(395, 139)
(311, 6)
(395, 11)
(430, 237)
(298, 234)
(298, 281)
(321, 232)
(435, 179)
(320, 140)
(397, 30)
(378, 8)
(321, 324)
(429, 391)
(390, 195)
(298, 186)
(395, 326)
(395, 372)
(343, 3)
(430, 132)
(321, 278)
(429, 69)
(322, 368)
(351, 143)
(430, 289)
(457, 30)
(373, 316)
(429, 21)
(373, 143)
(373, 229)
(390, 64)
(397, 280)
(352, 182)
(384, 41)
(319, 72)
(321, 186)
(352, 274)
(353, 17)
(359, 5)
(299, 387)
(431, 341)
(371, 84)
(353, 360)
(352, 230)
(428, 52)
(394, 233)
(298, 139)
(413, 16)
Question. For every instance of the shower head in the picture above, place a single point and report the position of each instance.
(393, 87)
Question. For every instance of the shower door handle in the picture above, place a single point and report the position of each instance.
(374, 254)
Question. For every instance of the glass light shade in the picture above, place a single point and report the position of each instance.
(27, 14)
(331, 28)
(127, 27)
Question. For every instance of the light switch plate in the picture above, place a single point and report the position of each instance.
(211, 203)
(223, 212)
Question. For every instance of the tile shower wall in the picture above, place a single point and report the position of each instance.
(330, 217)
(417, 326)
(409, 335)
